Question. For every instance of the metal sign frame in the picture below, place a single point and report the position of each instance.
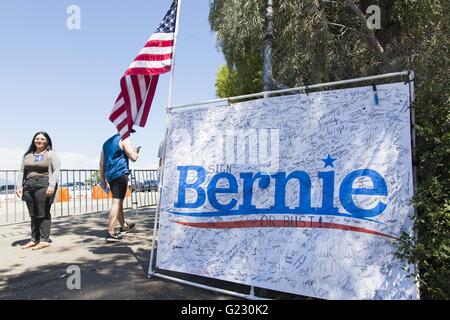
(409, 74)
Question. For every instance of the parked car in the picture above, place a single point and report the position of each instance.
(68, 185)
(77, 186)
(7, 189)
(147, 185)
(137, 186)
(82, 186)
(151, 185)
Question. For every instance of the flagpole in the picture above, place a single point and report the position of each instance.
(175, 37)
(161, 177)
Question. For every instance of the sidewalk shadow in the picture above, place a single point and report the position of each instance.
(112, 249)
(19, 243)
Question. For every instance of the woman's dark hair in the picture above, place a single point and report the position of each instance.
(32, 147)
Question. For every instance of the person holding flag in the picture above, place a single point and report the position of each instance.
(114, 171)
(132, 107)
(138, 84)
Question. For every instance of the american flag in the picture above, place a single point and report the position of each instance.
(138, 84)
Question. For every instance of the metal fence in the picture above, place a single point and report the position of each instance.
(79, 192)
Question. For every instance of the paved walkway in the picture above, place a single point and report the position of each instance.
(108, 271)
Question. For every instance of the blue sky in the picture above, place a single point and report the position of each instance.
(65, 81)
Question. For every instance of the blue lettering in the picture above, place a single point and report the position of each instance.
(327, 193)
(281, 180)
(183, 185)
(304, 193)
(346, 191)
(249, 179)
(213, 190)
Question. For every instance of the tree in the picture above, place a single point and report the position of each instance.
(94, 179)
(231, 83)
(324, 40)
(240, 45)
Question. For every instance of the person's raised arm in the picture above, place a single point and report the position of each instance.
(129, 150)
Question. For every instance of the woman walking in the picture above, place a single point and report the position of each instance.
(37, 184)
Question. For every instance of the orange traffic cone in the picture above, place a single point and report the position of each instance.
(99, 193)
(63, 195)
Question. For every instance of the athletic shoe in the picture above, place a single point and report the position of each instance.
(113, 237)
(125, 230)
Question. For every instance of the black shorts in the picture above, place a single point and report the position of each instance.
(119, 187)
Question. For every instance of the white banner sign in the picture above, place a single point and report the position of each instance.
(305, 194)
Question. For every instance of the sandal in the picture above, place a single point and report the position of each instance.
(41, 245)
(29, 245)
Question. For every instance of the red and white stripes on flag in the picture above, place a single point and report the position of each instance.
(138, 84)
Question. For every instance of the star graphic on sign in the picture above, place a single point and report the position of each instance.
(329, 161)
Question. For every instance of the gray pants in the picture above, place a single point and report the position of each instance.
(34, 194)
